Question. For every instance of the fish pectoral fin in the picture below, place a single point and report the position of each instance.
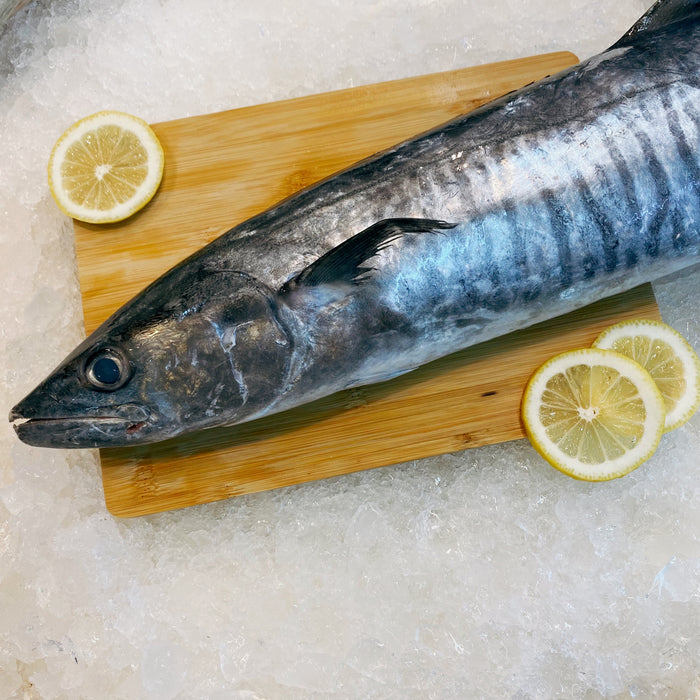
(662, 13)
(345, 262)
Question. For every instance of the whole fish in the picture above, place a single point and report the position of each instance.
(574, 188)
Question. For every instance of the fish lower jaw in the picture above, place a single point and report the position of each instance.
(18, 422)
(78, 432)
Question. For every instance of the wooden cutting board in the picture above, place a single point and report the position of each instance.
(223, 168)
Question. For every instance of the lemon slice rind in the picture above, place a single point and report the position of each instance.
(684, 406)
(652, 424)
(142, 194)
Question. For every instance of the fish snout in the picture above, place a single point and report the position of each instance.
(16, 413)
(26, 409)
(108, 426)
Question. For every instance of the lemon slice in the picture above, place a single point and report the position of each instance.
(105, 167)
(669, 359)
(593, 414)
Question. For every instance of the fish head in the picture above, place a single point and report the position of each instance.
(176, 359)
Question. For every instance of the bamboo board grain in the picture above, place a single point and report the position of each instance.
(221, 169)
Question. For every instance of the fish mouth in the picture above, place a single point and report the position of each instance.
(115, 428)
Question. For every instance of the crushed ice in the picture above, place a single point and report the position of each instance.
(480, 574)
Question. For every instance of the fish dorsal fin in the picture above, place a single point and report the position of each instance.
(345, 262)
(661, 13)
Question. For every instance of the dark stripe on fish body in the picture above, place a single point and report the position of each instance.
(629, 194)
(688, 108)
(589, 263)
(661, 184)
(608, 235)
(684, 150)
(510, 211)
(680, 237)
(631, 258)
(626, 179)
(675, 127)
(561, 225)
(528, 289)
(497, 298)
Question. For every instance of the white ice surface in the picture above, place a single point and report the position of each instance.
(484, 574)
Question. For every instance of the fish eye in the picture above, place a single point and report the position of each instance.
(107, 370)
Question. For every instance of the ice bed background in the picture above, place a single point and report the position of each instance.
(479, 574)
